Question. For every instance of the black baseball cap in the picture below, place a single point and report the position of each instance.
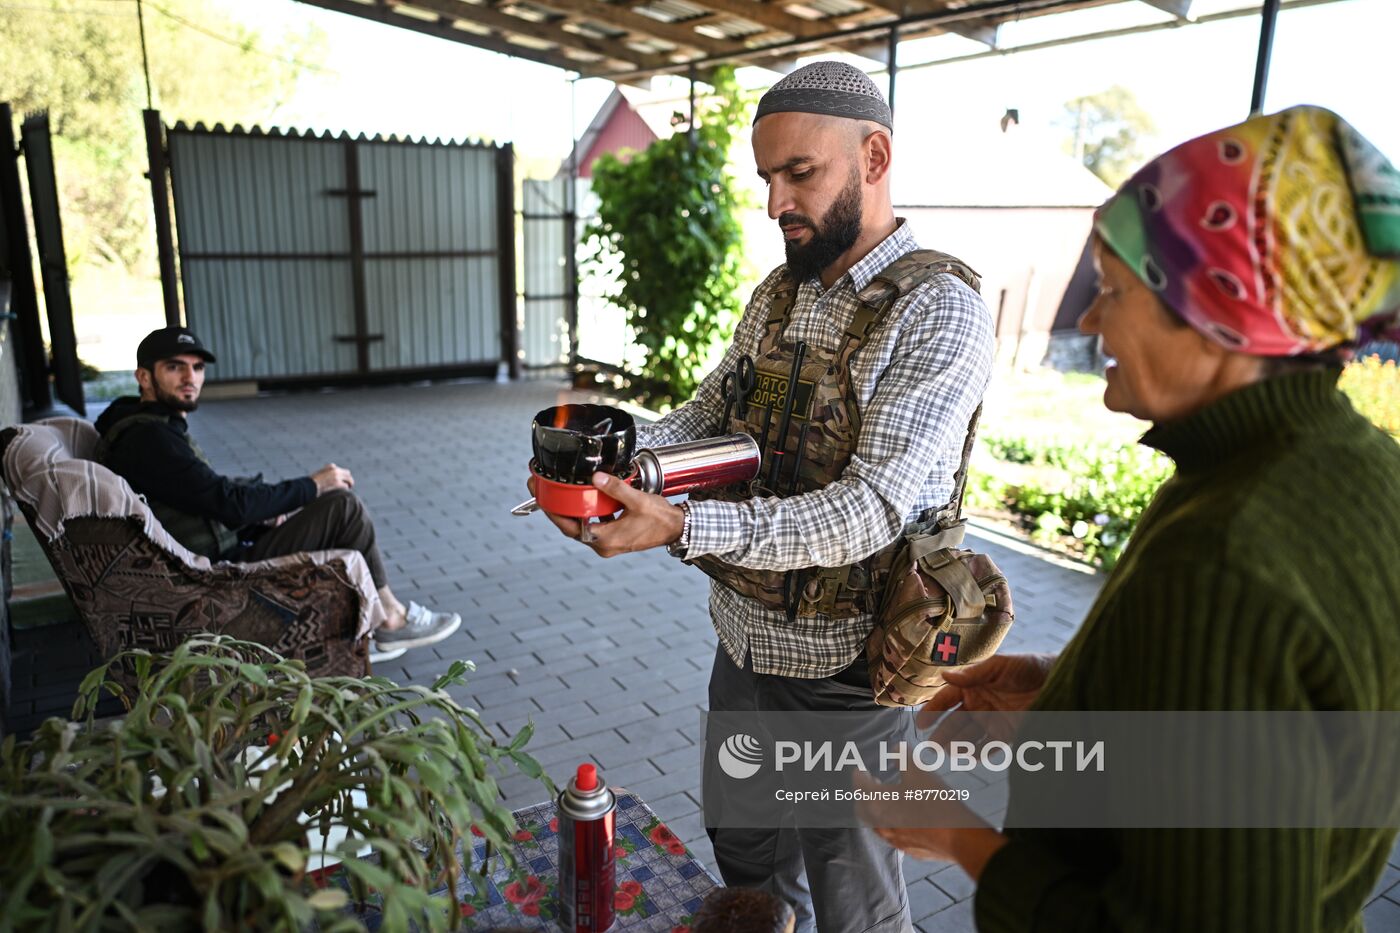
(169, 342)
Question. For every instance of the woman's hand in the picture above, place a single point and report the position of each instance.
(1002, 685)
(934, 829)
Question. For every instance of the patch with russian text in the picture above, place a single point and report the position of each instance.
(770, 389)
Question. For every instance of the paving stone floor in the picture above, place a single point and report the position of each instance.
(609, 658)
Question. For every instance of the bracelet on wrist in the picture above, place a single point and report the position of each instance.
(679, 547)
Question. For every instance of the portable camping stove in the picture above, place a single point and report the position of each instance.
(574, 500)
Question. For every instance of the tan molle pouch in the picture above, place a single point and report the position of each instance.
(943, 607)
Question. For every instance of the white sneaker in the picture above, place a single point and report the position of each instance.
(378, 655)
(421, 627)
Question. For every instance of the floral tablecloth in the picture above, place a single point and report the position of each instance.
(659, 883)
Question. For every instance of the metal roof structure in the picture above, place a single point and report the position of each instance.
(631, 40)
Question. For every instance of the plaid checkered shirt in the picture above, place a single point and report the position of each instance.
(917, 378)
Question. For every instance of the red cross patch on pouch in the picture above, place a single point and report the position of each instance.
(945, 648)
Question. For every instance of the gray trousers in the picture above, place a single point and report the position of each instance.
(337, 519)
(842, 880)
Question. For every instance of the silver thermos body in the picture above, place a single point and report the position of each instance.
(703, 464)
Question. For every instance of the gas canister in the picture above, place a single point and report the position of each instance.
(587, 865)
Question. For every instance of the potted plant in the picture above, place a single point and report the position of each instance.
(203, 805)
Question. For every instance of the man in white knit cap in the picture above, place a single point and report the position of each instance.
(888, 350)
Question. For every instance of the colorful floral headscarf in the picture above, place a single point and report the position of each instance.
(1276, 237)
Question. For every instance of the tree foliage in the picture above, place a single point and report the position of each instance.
(1106, 133)
(81, 61)
(669, 241)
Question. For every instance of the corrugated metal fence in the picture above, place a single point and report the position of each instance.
(550, 277)
(319, 258)
(594, 327)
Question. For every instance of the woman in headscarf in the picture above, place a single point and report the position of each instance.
(1237, 271)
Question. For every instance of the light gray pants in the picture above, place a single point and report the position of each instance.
(841, 880)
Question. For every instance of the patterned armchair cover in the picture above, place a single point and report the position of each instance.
(136, 587)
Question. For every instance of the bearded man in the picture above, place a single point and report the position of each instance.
(886, 350)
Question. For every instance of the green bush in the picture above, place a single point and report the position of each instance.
(668, 237)
(1089, 494)
(1374, 388)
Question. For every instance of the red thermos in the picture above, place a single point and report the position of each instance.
(587, 823)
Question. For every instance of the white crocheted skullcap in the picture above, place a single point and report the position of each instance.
(830, 88)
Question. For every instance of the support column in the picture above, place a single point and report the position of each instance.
(691, 131)
(893, 67)
(505, 250)
(1268, 22)
(157, 159)
(18, 263)
(571, 232)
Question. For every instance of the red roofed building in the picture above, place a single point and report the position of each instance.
(628, 120)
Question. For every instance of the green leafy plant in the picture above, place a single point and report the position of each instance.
(1088, 497)
(200, 808)
(1373, 385)
(669, 241)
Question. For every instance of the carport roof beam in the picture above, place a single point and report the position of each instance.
(985, 33)
(935, 19)
(445, 30)
(771, 15)
(868, 40)
(630, 41)
(615, 14)
(504, 23)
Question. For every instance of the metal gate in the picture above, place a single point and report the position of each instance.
(320, 259)
(569, 318)
(551, 278)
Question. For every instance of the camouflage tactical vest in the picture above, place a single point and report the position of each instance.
(201, 535)
(820, 440)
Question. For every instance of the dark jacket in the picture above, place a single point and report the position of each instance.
(161, 462)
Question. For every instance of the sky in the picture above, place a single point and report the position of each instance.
(1190, 80)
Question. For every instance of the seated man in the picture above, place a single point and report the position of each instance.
(146, 440)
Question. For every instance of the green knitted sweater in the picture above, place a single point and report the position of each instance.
(1264, 576)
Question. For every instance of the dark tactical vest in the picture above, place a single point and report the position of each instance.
(825, 404)
(201, 535)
